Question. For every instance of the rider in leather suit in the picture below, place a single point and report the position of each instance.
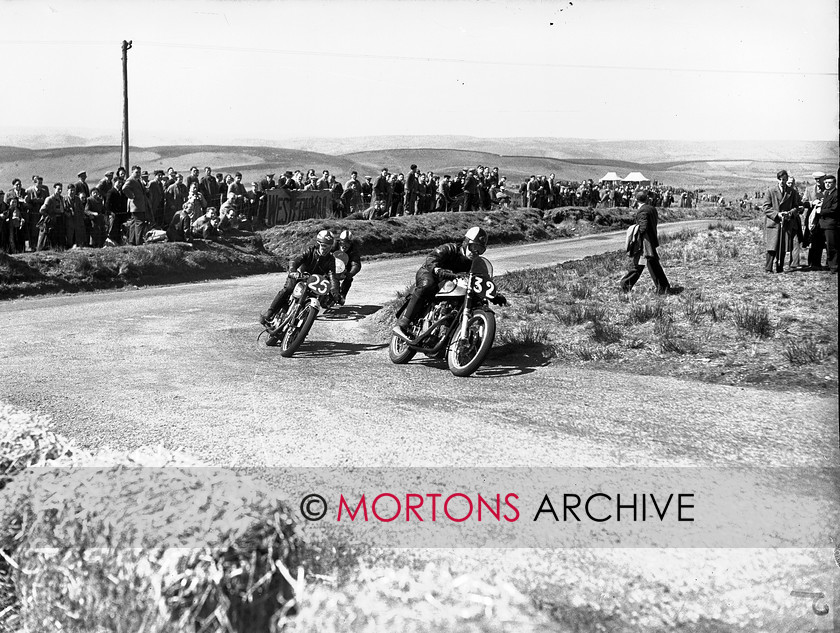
(348, 245)
(316, 260)
(441, 264)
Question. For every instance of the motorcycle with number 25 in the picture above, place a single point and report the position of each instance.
(289, 327)
(458, 323)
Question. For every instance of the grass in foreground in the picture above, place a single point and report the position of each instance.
(733, 324)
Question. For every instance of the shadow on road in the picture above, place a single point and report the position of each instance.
(350, 313)
(331, 349)
(505, 361)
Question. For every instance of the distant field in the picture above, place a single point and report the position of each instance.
(731, 169)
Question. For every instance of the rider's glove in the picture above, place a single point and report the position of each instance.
(444, 273)
(499, 300)
(295, 274)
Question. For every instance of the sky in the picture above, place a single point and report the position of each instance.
(227, 70)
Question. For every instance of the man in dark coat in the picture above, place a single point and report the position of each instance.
(116, 204)
(644, 251)
(778, 204)
(829, 220)
(81, 186)
(138, 206)
(813, 237)
(175, 196)
(157, 200)
(412, 192)
(380, 190)
(209, 187)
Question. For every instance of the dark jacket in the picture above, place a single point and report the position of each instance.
(828, 212)
(647, 218)
(448, 256)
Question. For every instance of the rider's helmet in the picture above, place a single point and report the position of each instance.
(345, 238)
(325, 240)
(475, 242)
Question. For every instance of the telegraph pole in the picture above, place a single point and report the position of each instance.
(124, 153)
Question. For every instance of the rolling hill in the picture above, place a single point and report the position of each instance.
(728, 167)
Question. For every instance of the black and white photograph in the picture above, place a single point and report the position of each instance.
(419, 316)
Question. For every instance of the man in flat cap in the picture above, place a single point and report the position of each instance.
(814, 238)
(81, 186)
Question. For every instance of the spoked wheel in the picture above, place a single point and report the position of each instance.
(398, 350)
(297, 331)
(466, 355)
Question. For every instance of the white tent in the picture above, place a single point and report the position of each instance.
(611, 177)
(636, 176)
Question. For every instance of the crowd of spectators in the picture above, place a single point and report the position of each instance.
(132, 208)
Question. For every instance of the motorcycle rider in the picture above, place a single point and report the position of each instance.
(347, 246)
(441, 264)
(315, 260)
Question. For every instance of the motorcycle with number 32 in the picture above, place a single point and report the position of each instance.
(289, 327)
(458, 323)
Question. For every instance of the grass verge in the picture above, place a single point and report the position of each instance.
(732, 324)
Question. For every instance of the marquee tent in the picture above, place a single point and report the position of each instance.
(636, 176)
(611, 177)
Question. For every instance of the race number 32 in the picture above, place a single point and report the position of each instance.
(484, 287)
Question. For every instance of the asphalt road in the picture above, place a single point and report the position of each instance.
(180, 366)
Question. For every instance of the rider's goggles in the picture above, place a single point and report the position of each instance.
(476, 248)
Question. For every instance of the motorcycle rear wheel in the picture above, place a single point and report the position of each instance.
(464, 357)
(296, 334)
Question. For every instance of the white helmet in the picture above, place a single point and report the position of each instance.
(325, 237)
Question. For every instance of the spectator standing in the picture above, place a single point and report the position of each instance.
(471, 191)
(220, 179)
(74, 219)
(35, 196)
(96, 214)
(157, 199)
(17, 227)
(367, 191)
(138, 206)
(813, 236)
(82, 188)
(396, 191)
(829, 219)
(777, 206)
(209, 187)
(115, 204)
(643, 252)
(380, 192)
(239, 190)
(175, 196)
(51, 210)
(193, 178)
(412, 191)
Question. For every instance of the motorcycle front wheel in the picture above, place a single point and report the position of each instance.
(297, 331)
(464, 356)
(398, 351)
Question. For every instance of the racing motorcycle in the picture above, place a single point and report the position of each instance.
(289, 327)
(458, 323)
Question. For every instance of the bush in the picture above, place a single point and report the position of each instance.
(605, 333)
(692, 307)
(806, 352)
(644, 312)
(754, 319)
(529, 334)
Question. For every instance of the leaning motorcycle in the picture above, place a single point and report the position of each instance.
(458, 323)
(289, 327)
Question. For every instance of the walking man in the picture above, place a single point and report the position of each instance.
(643, 252)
